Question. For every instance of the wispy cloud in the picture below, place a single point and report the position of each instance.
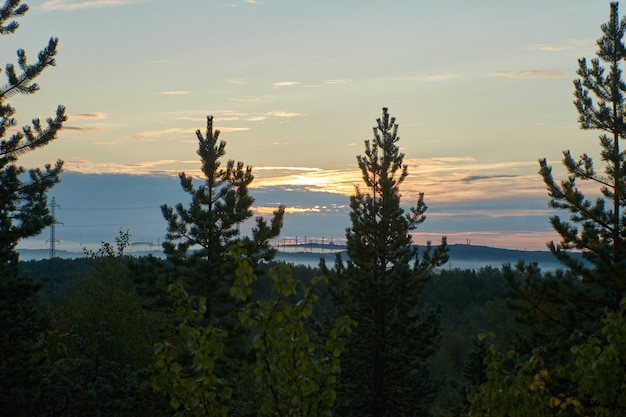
(192, 119)
(285, 83)
(67, 5)
(237, 81)
(247, 99)
(535, 73)
(545, 47)
(281, 113)
(175, 93)
(87, 116)
(233, 129)
(443, 77)
(272, 168)
(164, 166)
(83, 128)
(169, 133)
(338, 81)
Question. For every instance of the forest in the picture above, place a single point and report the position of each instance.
(218, 327)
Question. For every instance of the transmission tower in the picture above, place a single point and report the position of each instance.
(53, 239)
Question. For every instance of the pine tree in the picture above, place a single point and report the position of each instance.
(596, 228)
(384, 371)
(579, 365)
(23, 203)
(198, 237)
(23, 213)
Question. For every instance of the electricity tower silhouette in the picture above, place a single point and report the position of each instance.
(53, 239)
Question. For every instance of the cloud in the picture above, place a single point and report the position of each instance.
(87, 116)
(281, 113)
(471, 178)
(192, 119)
(256, 118)
(271, 168)
(83, 128)
(285, 83)
(67, 5)
(233, 129)
(443, 77)
(236, 81)
(169, 167)
(339, 81)
(175, 93)
(247, 99)
(169, 133)
(545, 47)
(528, 74)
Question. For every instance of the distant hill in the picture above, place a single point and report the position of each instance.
(461, 256)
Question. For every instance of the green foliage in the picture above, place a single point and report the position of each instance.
(186, 373)
(101, 348)
(386, 370)
(600, 370)
(294, 376)
(297, 375)
(517, 387)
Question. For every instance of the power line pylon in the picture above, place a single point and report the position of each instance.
(53, 239)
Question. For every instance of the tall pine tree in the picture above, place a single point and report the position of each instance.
(597, 228)
(572, 313)
(384, 368)
(199, 236)
(23, 213)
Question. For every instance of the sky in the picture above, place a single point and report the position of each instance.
(481, 90)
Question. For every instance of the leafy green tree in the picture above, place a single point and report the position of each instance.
(297, 376)
(294, 376)
(600, 369)
(198, 236)
(101, 348)
(23, 213)
(186, 371)
(385, 371)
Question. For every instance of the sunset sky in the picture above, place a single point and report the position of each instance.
(481, 90)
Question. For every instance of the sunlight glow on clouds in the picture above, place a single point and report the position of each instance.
(285, 83)
(281, 113)
(171, 132)
(84, 4)
(528, 74)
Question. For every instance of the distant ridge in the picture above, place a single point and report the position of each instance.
(461, 255)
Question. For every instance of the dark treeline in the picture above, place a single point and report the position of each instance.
(472, 302)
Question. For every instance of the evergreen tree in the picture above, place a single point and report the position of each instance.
(575, 315)
(385, 370)
(597, 228)
(198, 242)
(198, 237)
(23, 213)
